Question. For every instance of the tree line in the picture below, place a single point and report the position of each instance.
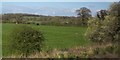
(83, 15)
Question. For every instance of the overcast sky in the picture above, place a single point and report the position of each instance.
(52, 8)
(59, 0)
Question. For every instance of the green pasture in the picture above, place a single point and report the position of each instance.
(59, 37)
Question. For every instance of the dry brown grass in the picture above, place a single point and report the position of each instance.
(87, 51)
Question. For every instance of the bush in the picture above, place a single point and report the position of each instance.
(110, 51)
(93, 30)
(26, 40)
(106, 31)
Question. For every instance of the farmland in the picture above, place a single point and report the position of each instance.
(91, 33)
(0, 39)
(59, 37)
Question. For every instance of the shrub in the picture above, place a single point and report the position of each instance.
(94, 27)
(107, 30)
(26, 40)
(107, 52)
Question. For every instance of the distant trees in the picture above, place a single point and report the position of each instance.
(42, 20)
(101, 14)
(83, 16)
(18, 18)
(14, 18)
(84, 13)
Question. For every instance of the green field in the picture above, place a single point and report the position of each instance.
(0, 40)
(55, 36)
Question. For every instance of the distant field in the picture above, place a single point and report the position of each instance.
(55, 36)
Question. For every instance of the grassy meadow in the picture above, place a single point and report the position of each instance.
(0, 39)
(60, 31)
(59, 37)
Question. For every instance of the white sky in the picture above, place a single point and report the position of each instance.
(59, 0)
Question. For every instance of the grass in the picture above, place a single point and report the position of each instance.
(0, 40)
(59, 37)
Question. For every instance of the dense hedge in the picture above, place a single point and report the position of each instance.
(106, 31)
(26, 40)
